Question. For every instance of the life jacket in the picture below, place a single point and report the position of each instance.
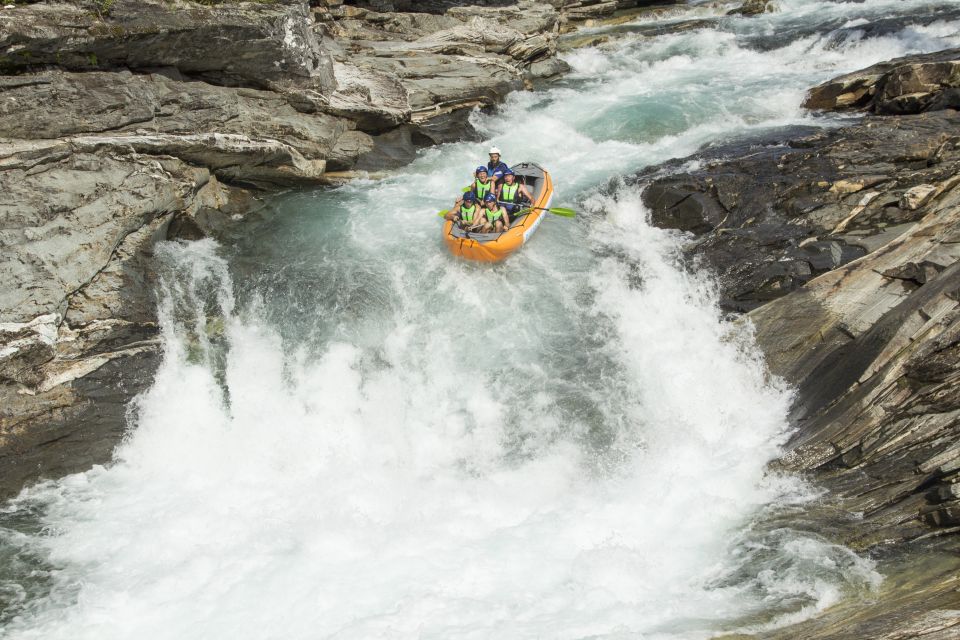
(510, 192)
(481, 188)
(494, 214)
(467, 213)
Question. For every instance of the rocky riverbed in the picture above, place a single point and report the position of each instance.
(124, 123)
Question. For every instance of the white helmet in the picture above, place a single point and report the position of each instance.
(495, 150)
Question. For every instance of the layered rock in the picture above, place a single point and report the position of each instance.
(423, 73)
(844, 246)
(268, 45)
(789, 210)
(77, 323)
(913, 84)
(878, 373)
(127, 122)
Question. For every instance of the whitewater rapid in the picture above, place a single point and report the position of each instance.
(353, 435)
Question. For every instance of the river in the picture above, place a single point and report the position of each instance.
(355, 435)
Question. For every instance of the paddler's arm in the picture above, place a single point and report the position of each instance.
(454, 213)
(479, 220)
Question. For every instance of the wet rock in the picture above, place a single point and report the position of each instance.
(677, 207)
(917, 600)
(913, 84)
(876, 364)
(72, 426)
(844, 246)
(915, 197)
(917, 273)
(789, 208)
(77, 319)
(125, 123)
(389, 151)
(548, 68)
(752, 8)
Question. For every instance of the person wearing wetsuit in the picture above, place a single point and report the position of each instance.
(511, 194)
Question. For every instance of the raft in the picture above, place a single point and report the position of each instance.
(494, 247)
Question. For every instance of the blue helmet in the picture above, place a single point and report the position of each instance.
(489, 198)
(469, 196)
(482, 168)
(508, 172)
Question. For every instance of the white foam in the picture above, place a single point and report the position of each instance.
(592, 470)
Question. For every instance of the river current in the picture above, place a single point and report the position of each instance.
(355, 435)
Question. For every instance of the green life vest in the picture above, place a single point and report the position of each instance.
(494, 214)
(509, 192)
(467, 213)
(482, 189)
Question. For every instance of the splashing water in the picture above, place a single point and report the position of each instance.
(353, 435)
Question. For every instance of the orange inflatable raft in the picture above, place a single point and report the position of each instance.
(494, 247)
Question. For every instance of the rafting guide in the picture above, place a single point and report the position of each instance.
(499, 210)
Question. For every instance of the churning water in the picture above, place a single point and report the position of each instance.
(353, 435)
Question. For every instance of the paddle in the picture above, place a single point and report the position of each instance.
(557, 211)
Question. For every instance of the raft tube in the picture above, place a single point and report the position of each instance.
(494, 247)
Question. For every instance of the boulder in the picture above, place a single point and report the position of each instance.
(913, 84)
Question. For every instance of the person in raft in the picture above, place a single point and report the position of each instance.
(511, 193)
(467, 212)
(497, 218)
(481, 185)
(495, 168)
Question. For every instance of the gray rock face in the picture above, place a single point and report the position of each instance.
(63, 235)
(440, 66)
(58, 104)
(844, 245)
(75, 304)
(267, 45)
(773, 220)
(913, 84)
(125, 123)
(873, 347)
